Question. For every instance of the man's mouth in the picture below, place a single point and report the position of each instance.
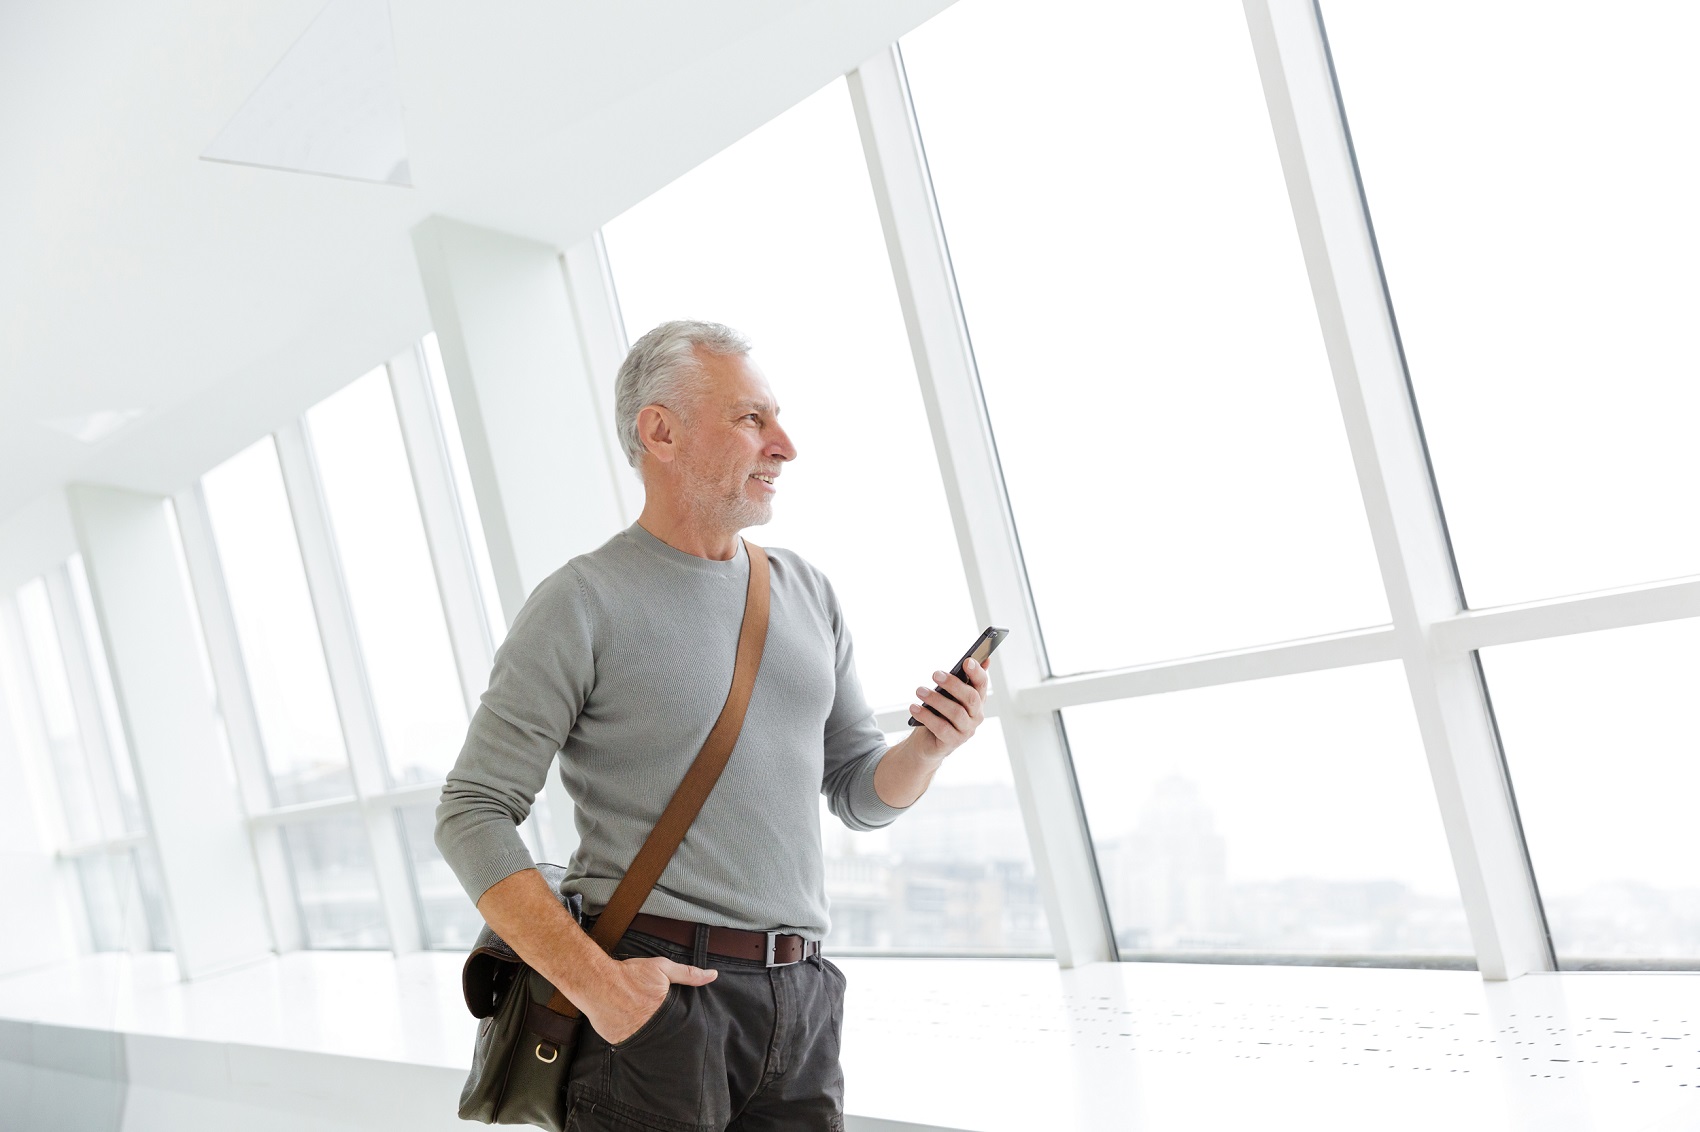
(766, 478)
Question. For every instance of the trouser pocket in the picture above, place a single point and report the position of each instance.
(655, 1078)
(593, 1111)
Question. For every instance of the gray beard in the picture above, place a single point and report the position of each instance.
(729, 511)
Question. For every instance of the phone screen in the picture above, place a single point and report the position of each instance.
(981, 650)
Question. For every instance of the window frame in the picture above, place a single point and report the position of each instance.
(95, 747)
(1433, 634)
(375, 799)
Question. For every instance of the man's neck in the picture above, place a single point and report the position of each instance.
(684, 532)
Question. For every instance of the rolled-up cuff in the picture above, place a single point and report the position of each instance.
(864, 807)
(482, 851)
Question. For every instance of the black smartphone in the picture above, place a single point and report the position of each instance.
(981, 650)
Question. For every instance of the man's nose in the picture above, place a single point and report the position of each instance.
(779, 445)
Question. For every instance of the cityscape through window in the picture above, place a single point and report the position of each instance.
(1289, 816)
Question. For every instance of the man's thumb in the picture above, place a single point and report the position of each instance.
(689, 976)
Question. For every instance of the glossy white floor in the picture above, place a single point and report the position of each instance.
(340, 1041)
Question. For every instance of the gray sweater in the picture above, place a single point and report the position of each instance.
(618, 666)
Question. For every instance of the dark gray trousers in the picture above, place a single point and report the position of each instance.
(756, 1050)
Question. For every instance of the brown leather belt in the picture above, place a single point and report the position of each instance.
(771, 949)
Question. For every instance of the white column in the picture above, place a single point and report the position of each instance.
(985, 530)
(1476, 805)
(537, 445)
(531, 405)
(211, 884)
(451, 556)
(470, 635)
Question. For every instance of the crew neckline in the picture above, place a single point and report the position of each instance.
(736, 564)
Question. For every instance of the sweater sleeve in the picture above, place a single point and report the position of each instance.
(854, 744)
(543, 673)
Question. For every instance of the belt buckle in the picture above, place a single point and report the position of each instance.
(769, 948)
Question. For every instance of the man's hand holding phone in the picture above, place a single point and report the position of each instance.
(945, 717)
(964, 688)
(948, 715)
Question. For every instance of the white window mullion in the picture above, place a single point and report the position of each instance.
(1387, 446)
(99, 753)
(1558, 617)
(991, 556)
(602, 335)
(349, 685)
(471, 635)
(445, 533)
(236, 707)
(97, 746)
(1313, 654)
(32, 728)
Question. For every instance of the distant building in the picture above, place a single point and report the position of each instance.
(1167, 887)
(1166, 882)
(954, 874)
(1608, 923)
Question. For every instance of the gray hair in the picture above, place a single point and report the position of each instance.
(662, 369)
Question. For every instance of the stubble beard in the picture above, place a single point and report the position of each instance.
(725, 506)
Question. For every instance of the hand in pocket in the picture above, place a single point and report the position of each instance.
(633, 991)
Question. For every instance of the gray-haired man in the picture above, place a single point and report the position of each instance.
(617, 666)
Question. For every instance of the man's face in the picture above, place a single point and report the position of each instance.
(732, 447)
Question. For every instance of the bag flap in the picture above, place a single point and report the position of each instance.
(490, 969)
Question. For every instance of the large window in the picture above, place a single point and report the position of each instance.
(285, 678)
(336, 889)
(71, 769)
(386, 567)
(275, 624)
(952, 875)
(1168, 433)
(1290, 816)
(63, 683)
(1143, 327)
(1532, 174)
(778, 236)
(1602, 737)
(450, 921)
(322, 528)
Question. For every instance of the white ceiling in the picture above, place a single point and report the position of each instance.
(220, 299)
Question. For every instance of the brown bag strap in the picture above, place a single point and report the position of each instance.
(687, 801)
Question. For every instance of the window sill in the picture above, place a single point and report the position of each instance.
(362, 1040)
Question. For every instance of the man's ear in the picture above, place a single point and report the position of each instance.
(658, 431)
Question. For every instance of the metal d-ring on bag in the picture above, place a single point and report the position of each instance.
(529, 1029)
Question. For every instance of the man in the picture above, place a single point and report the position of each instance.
(618, 666)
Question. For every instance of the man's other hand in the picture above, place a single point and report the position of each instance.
(633, 991)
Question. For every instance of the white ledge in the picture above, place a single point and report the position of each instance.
(339, 1041)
